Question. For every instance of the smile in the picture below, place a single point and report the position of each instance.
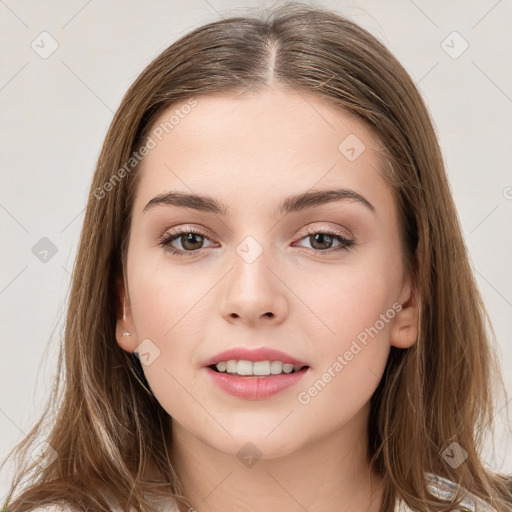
(251, 386)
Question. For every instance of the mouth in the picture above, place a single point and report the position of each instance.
(243, 381)
(255, 373)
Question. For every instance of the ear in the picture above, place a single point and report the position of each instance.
(124, 319)
(404, 332)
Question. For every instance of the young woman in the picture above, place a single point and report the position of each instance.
(272, 307)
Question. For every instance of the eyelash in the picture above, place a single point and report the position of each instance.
(165, 241)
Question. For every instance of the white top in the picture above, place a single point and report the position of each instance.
(446, 490)
(172, 507)
(437, 486)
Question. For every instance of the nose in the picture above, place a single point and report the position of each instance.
(253, 293)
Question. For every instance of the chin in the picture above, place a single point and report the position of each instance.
(255, 441)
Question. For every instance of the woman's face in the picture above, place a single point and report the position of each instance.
(319, 278)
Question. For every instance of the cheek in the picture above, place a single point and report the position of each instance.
(350, 328)
(170, 311)
(346, 300)
(165, 298)
(351, 355)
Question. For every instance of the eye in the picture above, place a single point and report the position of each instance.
(322, 241)
(190, 240)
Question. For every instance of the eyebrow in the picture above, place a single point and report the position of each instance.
(291, 204)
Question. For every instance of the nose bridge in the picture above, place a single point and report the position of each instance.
(252, 290)
(250, 272)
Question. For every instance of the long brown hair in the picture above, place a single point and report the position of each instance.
(439, 391)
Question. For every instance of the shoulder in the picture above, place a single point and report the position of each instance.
(166, 506)
(446, 489)
(64, 507)
(54, 508)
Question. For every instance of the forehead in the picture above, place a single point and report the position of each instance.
(255, 146)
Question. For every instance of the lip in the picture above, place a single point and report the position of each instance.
(255, 387)
(255, 354)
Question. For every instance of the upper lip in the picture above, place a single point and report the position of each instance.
(254, 354)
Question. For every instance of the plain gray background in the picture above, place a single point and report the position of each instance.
(55, 112)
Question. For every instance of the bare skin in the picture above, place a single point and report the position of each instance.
(250, 152)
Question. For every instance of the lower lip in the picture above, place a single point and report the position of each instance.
(255, 387)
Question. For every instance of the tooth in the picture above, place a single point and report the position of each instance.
(261, 368)
(244, 367)
(231, 366)
(276, 367)
(287, 368)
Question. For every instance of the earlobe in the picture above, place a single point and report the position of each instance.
(125, 330)
(404, 332)
(127, 343)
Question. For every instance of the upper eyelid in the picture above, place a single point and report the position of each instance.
(186, 229)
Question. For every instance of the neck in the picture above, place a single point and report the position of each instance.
(331, 473)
